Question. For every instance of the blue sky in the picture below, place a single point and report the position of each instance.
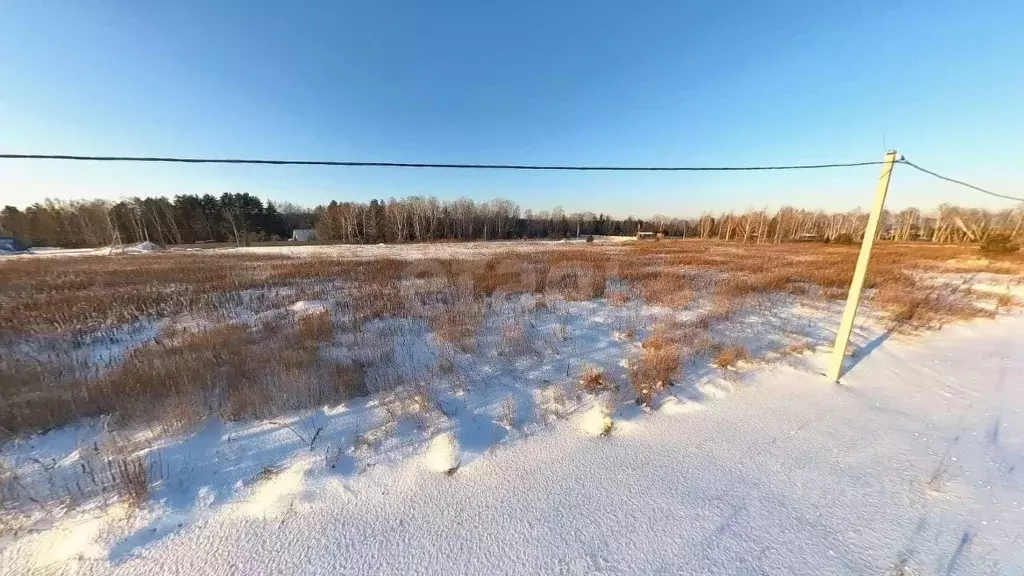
(590, 82)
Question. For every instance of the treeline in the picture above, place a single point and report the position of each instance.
(420, 219)
(185, 219)
(243, 218)
(425, 219)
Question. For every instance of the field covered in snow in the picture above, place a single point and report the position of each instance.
(521, 407)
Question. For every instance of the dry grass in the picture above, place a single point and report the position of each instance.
(618, 298)
(515, 340)
(927, 309)
(417, 402)
(456, 315)
(109, 467)
(246, 355)
(730, 356)
(224, 370)
(11, 495)
(659, 361)
(1006, 302)
(240, 371)
(724, 306)
(375, 299)
(75, 295)
(72, 295)
(695, 337)
(671, 290)
(593, 380)
(578, 279)
(798, 348)
(131, 475)
(315, 328)
(446, 359)
(509, 412)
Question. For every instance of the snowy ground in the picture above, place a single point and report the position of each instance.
(353, 251)
(491, 458)
(425, 251)
(912, 466)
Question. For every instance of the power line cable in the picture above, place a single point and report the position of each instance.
(576, 168)
(433, 165)
(960, 182)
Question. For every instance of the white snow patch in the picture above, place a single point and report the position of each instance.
(673, 405)
(1008, 289)
(55, 251)
(442, 454)
(481, 249)
(68, 546)
(143, 248)
(276, 491)
(306, 307)
(596, 421)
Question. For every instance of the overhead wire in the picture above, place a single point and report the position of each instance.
(181, 160)
(465, 166)
(960, 182)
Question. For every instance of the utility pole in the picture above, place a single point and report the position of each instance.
(859, 273)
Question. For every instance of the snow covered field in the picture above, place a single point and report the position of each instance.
(912, 466)
(357, 251)
(662, 412)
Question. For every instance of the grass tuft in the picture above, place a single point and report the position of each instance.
(593, 380)
(730, 356)
(658, 363)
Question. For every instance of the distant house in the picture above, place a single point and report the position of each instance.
(10, 245)
(303, 235)
(645, 236)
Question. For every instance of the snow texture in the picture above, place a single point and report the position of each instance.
(424, 251)
(913, 465)
(143, 247)
(357, 251)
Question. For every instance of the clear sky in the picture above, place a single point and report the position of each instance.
(590, 82)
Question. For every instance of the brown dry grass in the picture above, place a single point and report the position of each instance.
(456, 315)
(225, 370)
(54, 302)
(730, 356)
(618, 298)
(374, 299)
(671, 290)
(798, 347)
(130, 472)
(695, 337)
(515, 340)
(1006, 302)
(47, 295)
(659, 361)
(315, 328)
(725, 305)
(509, 412)
(928, 309)
(577, 279)
(74, 295)
(593, 380)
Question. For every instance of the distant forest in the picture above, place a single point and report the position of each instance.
(242, 218)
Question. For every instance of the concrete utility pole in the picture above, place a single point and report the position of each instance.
(859, 273)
